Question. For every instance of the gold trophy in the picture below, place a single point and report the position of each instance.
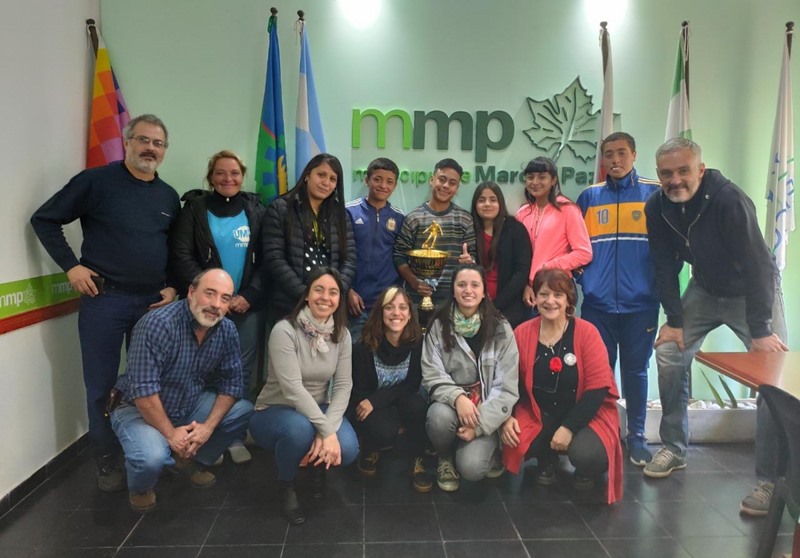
(428, 263)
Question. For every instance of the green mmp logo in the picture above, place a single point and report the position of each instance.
(565, 123)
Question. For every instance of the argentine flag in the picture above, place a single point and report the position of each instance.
(309, 139)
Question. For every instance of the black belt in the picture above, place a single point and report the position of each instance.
(132, 288)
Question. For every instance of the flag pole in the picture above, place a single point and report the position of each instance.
(90, 26)
(604, 44)
(309, 135)
(606, 119)
(685, 33)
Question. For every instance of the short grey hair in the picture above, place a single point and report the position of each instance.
(127, 132)
(679, 144)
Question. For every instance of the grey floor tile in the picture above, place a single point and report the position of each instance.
(481, 549)
(622, 519)
(404, 550)
(636, 548)
(475, 522)
(566, 547)
(548, 520)
(401, 522)
(329, 525)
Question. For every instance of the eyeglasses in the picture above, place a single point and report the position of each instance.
(144, 140)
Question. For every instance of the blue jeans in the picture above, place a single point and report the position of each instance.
(356, 324)
(147, 451)
(288, 434)
(104, 322)
(702, 313)
(633, 334)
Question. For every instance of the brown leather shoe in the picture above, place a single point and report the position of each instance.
(196, 473)
(142, 502)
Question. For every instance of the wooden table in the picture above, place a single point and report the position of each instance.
(781, 370)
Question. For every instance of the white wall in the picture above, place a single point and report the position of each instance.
(46, 66)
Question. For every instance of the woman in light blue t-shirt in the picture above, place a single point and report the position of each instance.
(221, 227)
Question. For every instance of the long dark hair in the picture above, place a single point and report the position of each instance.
(339, 315)
(497, 227)
(543, 164)
(331, 211)
(490, 316)
(375, 330)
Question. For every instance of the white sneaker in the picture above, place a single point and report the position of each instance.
(446, 476)
(239, 453)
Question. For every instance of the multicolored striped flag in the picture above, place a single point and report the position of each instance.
(309, 138)
(607, 108)
(271, 158)
(109, 113)
(780, 181)
(678, 116)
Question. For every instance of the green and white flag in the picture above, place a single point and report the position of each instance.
(678, 116)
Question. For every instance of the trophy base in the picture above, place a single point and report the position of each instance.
(426, 304)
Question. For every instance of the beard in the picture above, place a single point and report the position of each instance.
(142, 164)
(206, 316)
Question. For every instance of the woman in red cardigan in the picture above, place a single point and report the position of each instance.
(568, 396)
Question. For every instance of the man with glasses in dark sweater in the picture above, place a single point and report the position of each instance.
(125, 211)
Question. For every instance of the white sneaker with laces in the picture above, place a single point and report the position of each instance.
(446, 476)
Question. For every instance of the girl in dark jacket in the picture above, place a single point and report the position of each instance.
(504, 251)
(305, 229)
(386, 380)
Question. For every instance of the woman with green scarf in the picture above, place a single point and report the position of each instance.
(470, 370)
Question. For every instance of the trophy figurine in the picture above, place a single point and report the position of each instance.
(428, 263)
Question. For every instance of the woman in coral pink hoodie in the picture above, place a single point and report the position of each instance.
(555, 224)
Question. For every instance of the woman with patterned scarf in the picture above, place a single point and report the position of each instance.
(470, 370)
(295, 419)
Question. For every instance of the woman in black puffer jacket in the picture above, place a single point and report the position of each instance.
(305, 229)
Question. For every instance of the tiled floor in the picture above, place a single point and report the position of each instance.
(692, 513)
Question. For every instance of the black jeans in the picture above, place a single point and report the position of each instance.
(586, 451)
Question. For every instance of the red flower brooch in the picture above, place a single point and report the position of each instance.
(556, 365)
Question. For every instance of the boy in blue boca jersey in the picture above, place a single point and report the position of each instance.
(619, 288)
(376, 224)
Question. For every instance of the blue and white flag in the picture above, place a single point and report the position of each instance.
(309, 139)
(780, 180)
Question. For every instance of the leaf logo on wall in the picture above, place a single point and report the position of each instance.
(29, 295)
(565, 121)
